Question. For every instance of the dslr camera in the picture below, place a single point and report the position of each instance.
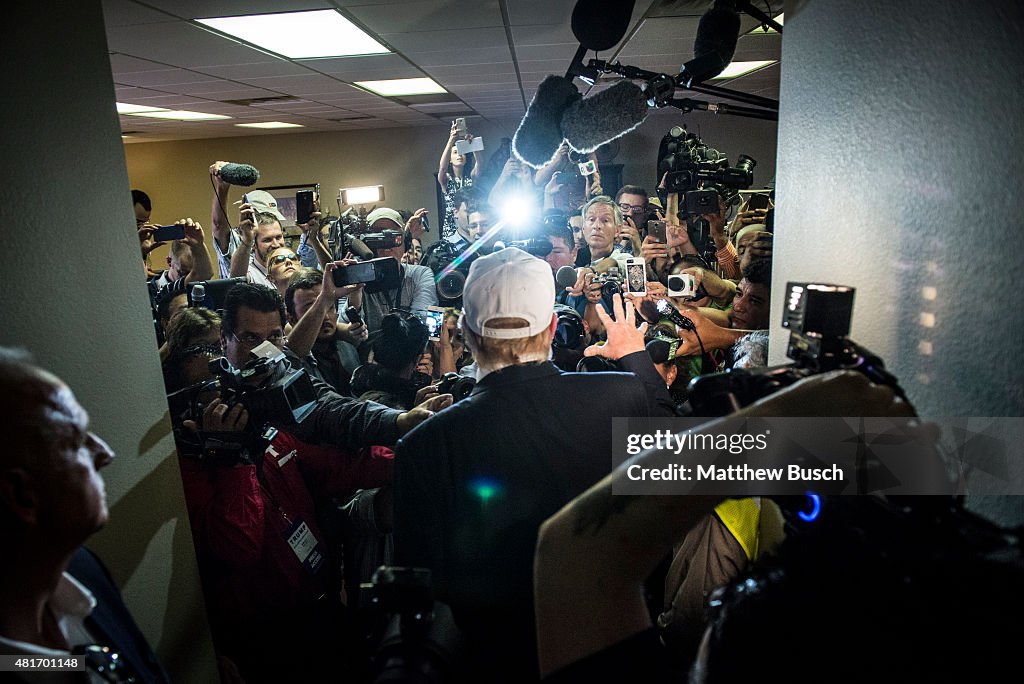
(459, 386)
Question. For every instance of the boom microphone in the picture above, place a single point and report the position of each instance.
(717, 33)
(540, 132)
(239, 174)
(603, 117)
(565, 277)
(600, 24)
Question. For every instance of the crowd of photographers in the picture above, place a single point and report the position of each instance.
(370, 398)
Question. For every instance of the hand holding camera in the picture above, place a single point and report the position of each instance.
(247, 222)
(653, 251)
(417, 224)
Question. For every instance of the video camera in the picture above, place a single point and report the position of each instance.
(449, 281)
(420, 641)
(818, 316)
(268, 387)
(702, 175)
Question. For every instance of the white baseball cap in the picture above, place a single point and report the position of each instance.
(264, 203)
(385, 213)
(509, 284)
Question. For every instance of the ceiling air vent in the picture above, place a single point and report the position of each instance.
(262, 100)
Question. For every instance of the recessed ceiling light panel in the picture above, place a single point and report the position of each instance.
(125, 108)
(402, 86)
(300, 35)
(270, 124)
(737, 69)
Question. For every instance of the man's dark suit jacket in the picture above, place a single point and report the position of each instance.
(110, 621)
(474, 483)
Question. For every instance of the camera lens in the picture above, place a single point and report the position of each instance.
(451, 284)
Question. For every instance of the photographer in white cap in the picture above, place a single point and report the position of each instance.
(415, 289)
(474, 482)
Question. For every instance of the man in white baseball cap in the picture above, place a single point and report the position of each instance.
(474, 482)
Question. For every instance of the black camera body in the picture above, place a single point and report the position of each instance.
(459, 386)
(539, 247)
(818, 316)
(449, 281)
(611, 282)
(386, 239)
(268, 387)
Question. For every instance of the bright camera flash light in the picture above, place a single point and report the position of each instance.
(517, 211)
(367, 194)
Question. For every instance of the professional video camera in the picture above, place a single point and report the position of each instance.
(268, 387)
(702, 175)
(537, 246)
(449, 280)
(819, 317)
(420, 641)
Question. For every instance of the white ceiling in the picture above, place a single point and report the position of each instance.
(489, 54)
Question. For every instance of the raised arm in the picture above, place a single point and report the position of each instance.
(446, 156)
(218, 212)
(247, 231)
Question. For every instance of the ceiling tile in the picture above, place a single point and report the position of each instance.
(195, 9)
(450, 40)
(276, 67)
(181, 44)
(429, 16)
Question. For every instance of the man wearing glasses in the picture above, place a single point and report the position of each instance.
(632, 201)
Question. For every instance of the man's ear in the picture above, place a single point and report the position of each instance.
(673, 373)
(168, 262)
(19, 496)
(554, 324)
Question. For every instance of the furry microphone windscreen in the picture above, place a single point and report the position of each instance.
(717, 33)
(603, 117)
(539, 134)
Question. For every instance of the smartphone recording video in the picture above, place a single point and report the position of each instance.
(169, 233)
(636, 276)
(303, 206)
(657, 229)
(434, 319)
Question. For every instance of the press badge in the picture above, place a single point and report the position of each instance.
(304, 543)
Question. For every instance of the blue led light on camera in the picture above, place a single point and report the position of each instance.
(815, 502)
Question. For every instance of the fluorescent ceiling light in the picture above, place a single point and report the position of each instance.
(179, 115)
(300, 35)
(760, 27)
(737, 69)
(270, 124)
(124, 108)
(402, 86)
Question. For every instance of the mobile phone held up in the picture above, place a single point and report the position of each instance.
(657, 230)
(757, 201)
(434, 319)
(378, 275)
(636, 276)
(303, 206)
(169, 233)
